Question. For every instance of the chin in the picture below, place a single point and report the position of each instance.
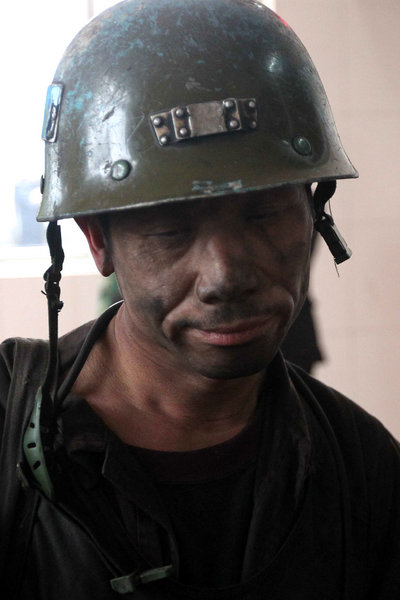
(244, 366)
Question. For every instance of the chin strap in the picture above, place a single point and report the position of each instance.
(39, 436)
(325, 225)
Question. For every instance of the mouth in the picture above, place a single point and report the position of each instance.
(233, 334)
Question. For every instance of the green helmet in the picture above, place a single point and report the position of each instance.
(162, 100)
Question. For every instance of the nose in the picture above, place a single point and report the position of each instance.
(226, 268)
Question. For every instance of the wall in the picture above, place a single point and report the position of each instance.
(356, 47)
(24, 309)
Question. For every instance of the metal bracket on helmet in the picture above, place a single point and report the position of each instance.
(205, 118)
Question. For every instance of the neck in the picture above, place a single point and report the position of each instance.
(147, 405)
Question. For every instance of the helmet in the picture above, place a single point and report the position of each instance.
(161, 100)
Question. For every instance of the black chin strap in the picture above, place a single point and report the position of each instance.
(38, 438)
(52, 279)
(325, 225)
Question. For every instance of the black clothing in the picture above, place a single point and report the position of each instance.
(301, 345)
(319, 519)
(208, 495)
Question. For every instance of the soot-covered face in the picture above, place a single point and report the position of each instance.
(212, 286)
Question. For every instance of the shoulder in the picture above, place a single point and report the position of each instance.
(367, 459)
(344, 414)
(370, 454)
(15, 352)
(23, 362)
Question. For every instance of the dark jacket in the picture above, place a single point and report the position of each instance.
(334, 535)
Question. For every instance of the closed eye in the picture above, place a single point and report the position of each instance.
(168, 233)
(266, 215)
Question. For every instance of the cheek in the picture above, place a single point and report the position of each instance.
(145, 308)
(150, 294)
(291, 248)
(152, 307)
(152, 278)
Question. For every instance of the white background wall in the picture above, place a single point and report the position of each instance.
(355, 45)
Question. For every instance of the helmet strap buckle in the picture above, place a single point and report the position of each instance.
(325, 224)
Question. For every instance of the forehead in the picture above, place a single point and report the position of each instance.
(284, 195)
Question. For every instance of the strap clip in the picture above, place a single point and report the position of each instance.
(129, 583)
(325, 224)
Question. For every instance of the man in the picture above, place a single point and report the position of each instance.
(167, 450)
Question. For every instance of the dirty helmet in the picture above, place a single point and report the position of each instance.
(159, 101)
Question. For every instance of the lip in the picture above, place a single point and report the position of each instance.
(234, 334)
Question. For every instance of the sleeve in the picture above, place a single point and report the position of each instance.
(22, 364)
(5, 378)
(384, 539)
(371, 458)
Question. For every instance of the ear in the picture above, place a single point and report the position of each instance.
(99, 247)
